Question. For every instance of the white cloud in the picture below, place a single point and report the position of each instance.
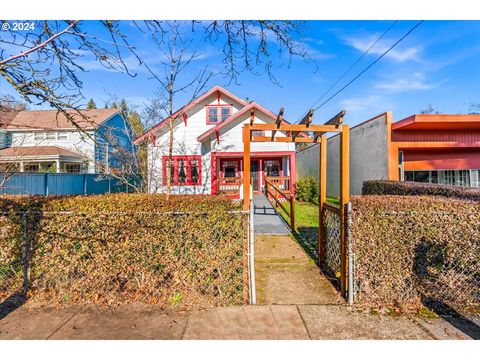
(360, 103)
(401, 55)
(417, 81)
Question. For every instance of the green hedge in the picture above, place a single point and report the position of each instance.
(409, 248)
(306, 189)
(389, 187)
(185, 251)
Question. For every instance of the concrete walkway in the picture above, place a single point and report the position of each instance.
(245, 322)
(266, 219)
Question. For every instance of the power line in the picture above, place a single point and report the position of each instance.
(373, 63)
(352, 66)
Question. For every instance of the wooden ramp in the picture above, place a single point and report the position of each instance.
(266, 219)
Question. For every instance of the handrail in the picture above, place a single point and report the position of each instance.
(289, 196)
(278, 190)
(331, 207)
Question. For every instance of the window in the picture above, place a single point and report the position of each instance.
(38, 136)
(31, 167)
(272, 167)
(218, 113)
(62, 135)
(449, 177)
(72, 168)
(230, 168)
(258, 133)
(185, 170)
(463, 178)
(50, 136)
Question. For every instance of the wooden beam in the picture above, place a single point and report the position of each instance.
(337, 119)
(307, 119)
(278, 122)
(252, 116)
(322, 197)
(246, 167)
(295, 127)
(344, 199)
(284, 139)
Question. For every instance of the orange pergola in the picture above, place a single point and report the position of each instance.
(306, 132)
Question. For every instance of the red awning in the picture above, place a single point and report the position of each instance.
(441, 160)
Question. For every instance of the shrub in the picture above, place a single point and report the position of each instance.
(306, 189)
(409, 248)
(185, 251)
(388, 187)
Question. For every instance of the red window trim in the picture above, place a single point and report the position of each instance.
(222, 166)
(187, 159)
(219, 112)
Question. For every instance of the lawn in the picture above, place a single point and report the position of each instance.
(306, 223)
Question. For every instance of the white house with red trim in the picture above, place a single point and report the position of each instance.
(208, 148)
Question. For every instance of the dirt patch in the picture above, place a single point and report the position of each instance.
(285, 274)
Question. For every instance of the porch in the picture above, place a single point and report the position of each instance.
(228, 175)
(35, 159)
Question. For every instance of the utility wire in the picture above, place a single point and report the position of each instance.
(373, 63)
(351, 67)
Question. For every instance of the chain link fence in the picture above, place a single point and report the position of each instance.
(410, 258)
(332, 222)
(191, 260)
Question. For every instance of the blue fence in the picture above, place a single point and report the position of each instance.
(62, 184)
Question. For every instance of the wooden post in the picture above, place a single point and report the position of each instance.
(344, 199)
(322, 196)
(246, 167)
(292, 212)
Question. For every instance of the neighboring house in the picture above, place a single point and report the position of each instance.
(434, 148)
(208, 148)
(46, 141)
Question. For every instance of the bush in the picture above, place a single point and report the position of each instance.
(388, 187)
(412, 248)
(306, 189)
(185, 251)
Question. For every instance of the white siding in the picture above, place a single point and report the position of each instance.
(186, 143)
(76, 141)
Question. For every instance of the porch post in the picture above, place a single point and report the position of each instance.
(58, 166)
(322, 196)
(293, 172)
(21, 166)
(344, 199)
(246, 167)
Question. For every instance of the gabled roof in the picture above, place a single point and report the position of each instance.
(438, 122)
(53, 120)
(37, 151)
(245, 109)
(184, 109)
(233, 117)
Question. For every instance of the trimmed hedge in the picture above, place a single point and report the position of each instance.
(186, 251)
(409, 248)
(390, 187)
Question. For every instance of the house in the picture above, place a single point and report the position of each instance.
(208, 148)
(434, 148)
(46, 141)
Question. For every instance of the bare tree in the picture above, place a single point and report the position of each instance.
(429, 109)
(44, 65)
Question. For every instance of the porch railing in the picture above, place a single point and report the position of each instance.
(281, 182)
(274, 194)
(229, 185)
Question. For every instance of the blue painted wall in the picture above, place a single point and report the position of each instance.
(61, 184)
(119, 128)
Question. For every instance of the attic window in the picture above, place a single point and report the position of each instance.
(218, 113)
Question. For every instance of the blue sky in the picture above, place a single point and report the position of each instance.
(437, 64)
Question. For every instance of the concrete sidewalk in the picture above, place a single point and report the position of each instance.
(245, 322)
